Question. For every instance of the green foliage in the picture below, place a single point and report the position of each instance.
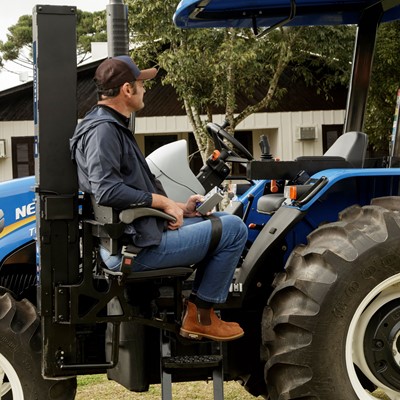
(384, 85)
(18, 37)
(91, 27)
(322, 56)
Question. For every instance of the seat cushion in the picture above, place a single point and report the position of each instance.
(269, 203)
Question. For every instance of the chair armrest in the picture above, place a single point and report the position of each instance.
(129, 215)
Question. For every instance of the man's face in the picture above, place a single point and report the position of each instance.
(138, 91)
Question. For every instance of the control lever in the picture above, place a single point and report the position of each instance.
(267, 156)
(265, 148)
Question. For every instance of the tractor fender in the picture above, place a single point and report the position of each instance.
(25, 254)
(266, 255)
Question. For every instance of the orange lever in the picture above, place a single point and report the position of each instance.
(273, 187)
(215, 155)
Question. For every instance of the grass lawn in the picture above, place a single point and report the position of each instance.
(98, 387)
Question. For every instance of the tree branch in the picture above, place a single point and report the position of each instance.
(285, 55)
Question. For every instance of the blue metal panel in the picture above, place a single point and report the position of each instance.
(17, 202)
(253, 216)
(241, 13)
(336, 175)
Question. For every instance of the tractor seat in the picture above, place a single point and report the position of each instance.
(109, 226)
(350, 147)
(269, 203)
(157, 273)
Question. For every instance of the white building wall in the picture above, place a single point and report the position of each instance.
(9, 129)
(281, 129)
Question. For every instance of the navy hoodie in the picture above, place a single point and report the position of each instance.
(111, 167)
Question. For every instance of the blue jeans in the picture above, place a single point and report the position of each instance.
(188, 245)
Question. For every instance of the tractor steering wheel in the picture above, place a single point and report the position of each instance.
(219, 134)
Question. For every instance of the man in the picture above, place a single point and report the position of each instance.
(112, 168)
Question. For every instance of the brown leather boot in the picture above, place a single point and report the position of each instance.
(218, 330)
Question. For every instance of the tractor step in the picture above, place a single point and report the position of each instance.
(203, 361)
(171, 363)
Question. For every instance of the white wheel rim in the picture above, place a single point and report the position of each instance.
(383, 293)
(13, 384)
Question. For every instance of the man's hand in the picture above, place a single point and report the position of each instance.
(170, 207)
(189, 209)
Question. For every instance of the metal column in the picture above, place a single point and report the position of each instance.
(55, 117)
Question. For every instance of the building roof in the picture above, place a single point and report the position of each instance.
(16, 104)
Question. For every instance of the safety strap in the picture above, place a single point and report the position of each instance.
(216, 232)
(129, 252)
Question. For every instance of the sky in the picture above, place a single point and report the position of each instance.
(9, 16)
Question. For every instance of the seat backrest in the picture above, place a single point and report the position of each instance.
(352, 146)
(109, 228)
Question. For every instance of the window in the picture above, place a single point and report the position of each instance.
(329, 135)
(22, 156)
(152, 143)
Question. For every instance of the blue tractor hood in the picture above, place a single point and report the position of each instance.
(266, 13)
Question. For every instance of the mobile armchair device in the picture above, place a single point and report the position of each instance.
(311, 289)
(209, 203)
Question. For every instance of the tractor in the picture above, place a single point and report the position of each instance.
(316, 290)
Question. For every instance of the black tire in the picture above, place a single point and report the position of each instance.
(331, 329)
(20, 355)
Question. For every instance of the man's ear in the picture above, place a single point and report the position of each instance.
(125, 89)
(128, 88)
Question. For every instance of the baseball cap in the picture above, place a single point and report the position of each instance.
(115, 71)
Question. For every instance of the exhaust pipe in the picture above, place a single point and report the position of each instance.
(117, 28)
